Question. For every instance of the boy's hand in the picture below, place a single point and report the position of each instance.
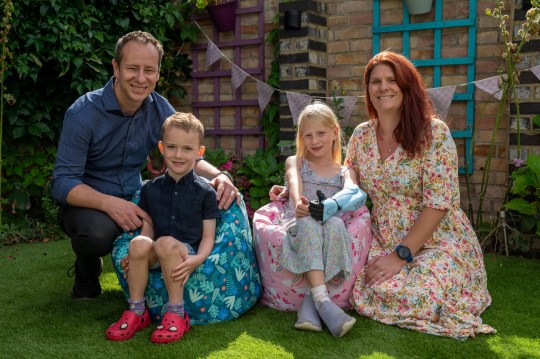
(182, 272)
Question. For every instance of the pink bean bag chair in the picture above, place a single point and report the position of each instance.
(283, 290)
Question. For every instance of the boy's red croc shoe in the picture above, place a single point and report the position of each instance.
(127, 326)
(171, 329)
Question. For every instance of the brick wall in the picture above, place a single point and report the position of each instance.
(349, 48)
(246, 58)
(335, 43)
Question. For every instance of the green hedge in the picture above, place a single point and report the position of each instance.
(61, 49)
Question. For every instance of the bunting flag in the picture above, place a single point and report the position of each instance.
(238, 76)
(265, 93)
(536, 71)
(297, 102)
(491, 86)
(441, 97)
(212, 54)
(348, 107)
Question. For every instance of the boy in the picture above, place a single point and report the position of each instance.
(183, 209)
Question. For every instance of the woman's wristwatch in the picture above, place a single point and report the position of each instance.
(404, 252)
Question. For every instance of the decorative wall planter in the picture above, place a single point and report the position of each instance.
(418, 7)
(223, 14)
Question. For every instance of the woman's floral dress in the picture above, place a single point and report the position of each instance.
(444, 290)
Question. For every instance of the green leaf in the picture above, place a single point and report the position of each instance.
(528, 223)
(522, 206)
(36, 59)
(523, 182)
(533, 163)
(37, 129)
(536, 120)
(124, 23)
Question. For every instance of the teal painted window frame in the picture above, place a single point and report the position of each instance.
(438, 62)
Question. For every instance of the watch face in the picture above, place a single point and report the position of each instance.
(404, 252)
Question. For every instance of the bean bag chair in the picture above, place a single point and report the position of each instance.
(224, 287)
(283, 290)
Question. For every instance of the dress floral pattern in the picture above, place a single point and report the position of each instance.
(444, 290)
(313, 245)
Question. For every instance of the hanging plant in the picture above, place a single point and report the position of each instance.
(222, 13)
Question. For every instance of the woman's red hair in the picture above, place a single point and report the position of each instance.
(413, 132)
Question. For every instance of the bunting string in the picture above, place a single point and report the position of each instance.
(441, 97)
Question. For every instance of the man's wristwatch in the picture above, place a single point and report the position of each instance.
(404, 252)
(226, 174)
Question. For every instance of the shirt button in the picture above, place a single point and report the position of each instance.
(176, 193)
(173, 217)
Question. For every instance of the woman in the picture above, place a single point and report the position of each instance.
(425, 270)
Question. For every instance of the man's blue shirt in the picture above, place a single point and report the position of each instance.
(178, 208)
(103, 148)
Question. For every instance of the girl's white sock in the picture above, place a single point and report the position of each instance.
(319, 294)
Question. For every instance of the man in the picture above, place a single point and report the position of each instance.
(106, 138)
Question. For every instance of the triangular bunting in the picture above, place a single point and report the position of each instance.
(238, 76)
(536, 71)
(212, 54)
(348, 107)
(441, 97)
(491, 86)
(265, 93)
(297, 102)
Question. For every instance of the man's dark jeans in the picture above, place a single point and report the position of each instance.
(92, 234)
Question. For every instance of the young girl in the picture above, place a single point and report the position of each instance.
(319, 250)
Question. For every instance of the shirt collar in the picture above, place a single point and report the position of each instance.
(110, 103)
(189, 177)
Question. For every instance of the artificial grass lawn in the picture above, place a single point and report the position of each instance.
(40, 320)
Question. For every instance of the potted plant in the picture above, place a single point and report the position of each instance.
(222, 13)
(417, 7)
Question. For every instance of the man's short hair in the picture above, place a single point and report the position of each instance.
(139, 36)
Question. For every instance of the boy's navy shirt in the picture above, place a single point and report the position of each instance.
(178, 208)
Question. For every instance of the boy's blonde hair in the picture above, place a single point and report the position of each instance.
(320, 113)
(185, 121)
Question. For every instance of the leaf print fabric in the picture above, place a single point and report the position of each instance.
(224, 287)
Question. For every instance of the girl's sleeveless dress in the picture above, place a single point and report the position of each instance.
(310, 244)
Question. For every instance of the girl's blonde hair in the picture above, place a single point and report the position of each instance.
(319, 113)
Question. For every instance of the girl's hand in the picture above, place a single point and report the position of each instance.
(302, 207)
(181, 272)
(382, 268)
(124, 263)
(278, 193)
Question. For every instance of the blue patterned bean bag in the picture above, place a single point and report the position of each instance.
(224, 287)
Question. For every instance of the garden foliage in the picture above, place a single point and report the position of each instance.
(61, 49)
